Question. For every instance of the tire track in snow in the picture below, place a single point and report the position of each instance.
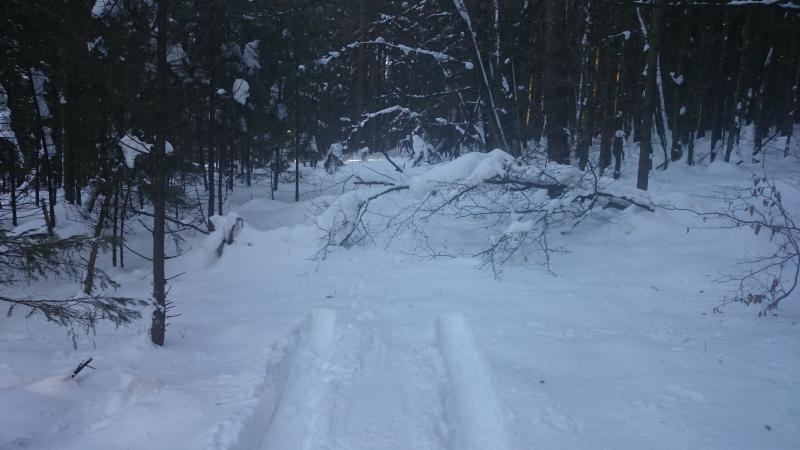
(297, 415)
(390, 398)
(474, 414)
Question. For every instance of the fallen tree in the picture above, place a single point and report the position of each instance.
(518, 202)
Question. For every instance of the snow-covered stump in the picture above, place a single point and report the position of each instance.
(226, 228)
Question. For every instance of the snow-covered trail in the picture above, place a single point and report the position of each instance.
(359, 384)
(386, 389)
(297, 417)
(460, 361)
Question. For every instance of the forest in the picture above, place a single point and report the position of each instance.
(135, 132)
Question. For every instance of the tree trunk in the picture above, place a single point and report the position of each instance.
(648, 108)
(159, 322)
(485, 82)
(556, 86)
(123, 216)
(768, 82)
(719, 95)
(220, 177)
(679, 108)
(742, 82)
(792, 90)
(115, 226)
(71, 144)
(606, 122)
(45, 162)
(12, 175)
(211, 154)
(88, 282)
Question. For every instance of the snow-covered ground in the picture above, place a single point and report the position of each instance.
(372, 348)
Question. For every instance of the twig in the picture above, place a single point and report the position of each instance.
(82, 366)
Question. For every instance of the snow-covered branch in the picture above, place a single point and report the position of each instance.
(405, 49)
(518, 204)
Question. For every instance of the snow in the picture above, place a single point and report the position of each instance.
(391, 109)
(97, 44)
(336, 149)
(495, 164)
(519, 226)
(420, 149)
(6, 132)
(281, 112)
(104, 8)
(39, 80)
(241, 91)
(176, 55)
(405, 49)
(327, 58)
(251, 55)
(469, 169)
(373, 347)
(133, 146)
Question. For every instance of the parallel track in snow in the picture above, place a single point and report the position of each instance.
(349, 386)
(297, 415)
(476, 418)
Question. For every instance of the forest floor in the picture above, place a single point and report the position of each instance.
(619, 347)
